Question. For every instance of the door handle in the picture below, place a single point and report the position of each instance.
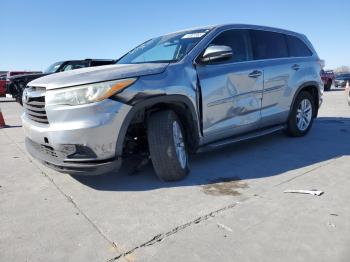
(295, 67)
(255, 74)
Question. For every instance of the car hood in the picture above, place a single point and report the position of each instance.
(97, 74)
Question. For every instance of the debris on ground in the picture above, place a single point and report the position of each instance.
(331, 224)
(313, 192)
(224, 227)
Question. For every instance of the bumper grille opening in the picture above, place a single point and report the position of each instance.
(35, 109)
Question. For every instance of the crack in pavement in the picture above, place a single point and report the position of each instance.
(69, 198)
(162, 236)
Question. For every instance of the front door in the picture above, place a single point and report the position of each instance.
(231, 89)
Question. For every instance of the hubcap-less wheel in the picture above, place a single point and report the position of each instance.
(304, 114)
(179, 144)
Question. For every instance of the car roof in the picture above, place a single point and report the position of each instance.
(258, 27)
(241, 26)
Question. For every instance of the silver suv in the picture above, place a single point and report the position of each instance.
(181, 93)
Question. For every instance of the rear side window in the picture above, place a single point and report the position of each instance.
(238, 40)
(267, 45)
(297, 48)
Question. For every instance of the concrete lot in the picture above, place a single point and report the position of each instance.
(231, 207)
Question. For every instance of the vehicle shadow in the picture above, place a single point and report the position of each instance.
(262, 157)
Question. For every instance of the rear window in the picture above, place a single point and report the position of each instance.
(297, 48)
(267, 45)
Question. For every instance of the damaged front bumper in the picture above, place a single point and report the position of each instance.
(77, 139)
(51, 158)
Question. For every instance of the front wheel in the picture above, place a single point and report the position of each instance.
(167, 146)
(302, 115)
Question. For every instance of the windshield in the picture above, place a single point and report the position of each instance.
(53, 68)
(168, 48)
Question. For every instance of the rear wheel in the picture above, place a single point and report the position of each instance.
(167, 146)
(302, 115)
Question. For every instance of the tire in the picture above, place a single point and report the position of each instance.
(169, 164)
(294, 127)
(328, 85)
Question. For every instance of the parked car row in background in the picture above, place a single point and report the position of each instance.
(5, 78)
(329, 78)
(17, 83)
(341, 80)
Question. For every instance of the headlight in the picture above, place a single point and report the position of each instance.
(85, 94)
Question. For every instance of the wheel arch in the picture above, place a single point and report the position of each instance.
(311, 87)
(180, 104)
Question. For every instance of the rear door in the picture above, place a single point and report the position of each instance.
(231, 89)
(271, 52)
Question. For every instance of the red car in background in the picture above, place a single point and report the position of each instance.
(2, 85)
(328, 78)
(5, 78)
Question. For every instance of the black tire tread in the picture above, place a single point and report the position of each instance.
(162, 148)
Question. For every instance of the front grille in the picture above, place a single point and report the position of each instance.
(35, 109)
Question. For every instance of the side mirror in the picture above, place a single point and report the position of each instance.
(216, 52)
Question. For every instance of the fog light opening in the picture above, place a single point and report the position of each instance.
(82, 152)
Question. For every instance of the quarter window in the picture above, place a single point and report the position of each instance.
(267, 45)
(297, 48)
(238, 40)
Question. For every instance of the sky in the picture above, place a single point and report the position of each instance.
(35, 34)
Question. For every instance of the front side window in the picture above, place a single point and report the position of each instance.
(168, 48)
(239, 42)
(269, 45)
